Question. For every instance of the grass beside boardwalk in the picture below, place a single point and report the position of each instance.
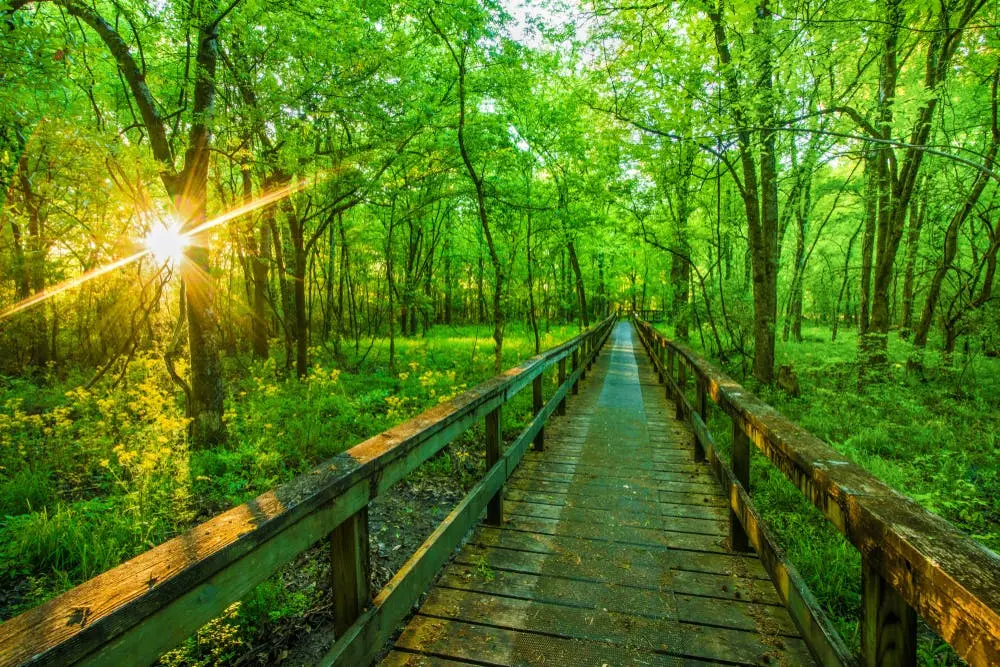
(933, 435)
(89, 479)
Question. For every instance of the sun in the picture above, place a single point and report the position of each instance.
(166, 242)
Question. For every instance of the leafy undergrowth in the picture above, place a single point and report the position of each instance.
(89, 479)
(930, 431)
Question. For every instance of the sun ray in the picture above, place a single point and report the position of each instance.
(166, 244)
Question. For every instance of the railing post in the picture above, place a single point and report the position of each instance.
(536, 406)
(583, 362)
(670, 371)
(741, 469)
(888, 623)
(561, 408)
(575, 366)
(681, 384)
(699, 451)
(661, 352)
(349, 567)
(494, 418)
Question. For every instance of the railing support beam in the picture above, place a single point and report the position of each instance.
(741, 469)
(494, 438)
(350, 573)
(575, 366)
(561, 408)
(699, 451)
(888, 624)
(536, 406)
(670, 371)
(681, 384)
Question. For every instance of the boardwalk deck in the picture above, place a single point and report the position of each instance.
(613, 550)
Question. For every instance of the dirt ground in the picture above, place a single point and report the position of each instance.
(399, 522)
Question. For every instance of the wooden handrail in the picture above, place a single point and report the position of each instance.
(135, 612)
(913, 562)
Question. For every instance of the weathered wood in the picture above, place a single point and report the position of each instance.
(888, 623)
(699, 450)
(820, 636)
(536, 407)
(350, 570)
(360, 644)
(494, 442)
(136, 611)
(561, 410)
(590, 567)
(576, 367)
(952, 582)
(741, 471)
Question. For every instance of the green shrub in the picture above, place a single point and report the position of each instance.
(27, 490)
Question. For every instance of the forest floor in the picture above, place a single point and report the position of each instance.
(932, 434)
(91, 478)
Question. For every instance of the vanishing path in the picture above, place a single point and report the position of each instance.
(613, 550)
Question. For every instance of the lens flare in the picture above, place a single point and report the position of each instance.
(166, 242)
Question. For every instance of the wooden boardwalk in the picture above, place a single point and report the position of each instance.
(613, 550)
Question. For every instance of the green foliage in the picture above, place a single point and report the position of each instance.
(933, 439)
(92, 478)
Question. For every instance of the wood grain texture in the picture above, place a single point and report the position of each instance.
(138, 610)
(950, 580)
(590, 562)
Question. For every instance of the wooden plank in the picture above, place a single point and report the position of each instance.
(561, 380)
(494, 443)
(822, 639)
(151, 603)
(684, 483)
(888, 623)
(634, 633)
(951, 581)
(489, 645)
(527, 478)
(349, 570)
(536, 406)
(623, 553)
(741, 473)
(364, 639)
(475, 561)
(404, 659)
(638, 509)
(599, 516)
(640, 468)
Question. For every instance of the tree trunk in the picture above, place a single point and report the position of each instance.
(957, 220)
(581, 293)
(189, 192)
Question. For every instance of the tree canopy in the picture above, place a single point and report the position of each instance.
(332, 172)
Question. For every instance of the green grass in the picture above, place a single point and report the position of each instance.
(89, 479)
(932, 435)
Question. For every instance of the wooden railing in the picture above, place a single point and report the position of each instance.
(653, 315)
(132, 614)
(913, 562)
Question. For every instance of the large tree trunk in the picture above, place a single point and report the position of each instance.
(897, 177)
(759, 201)
(190, 192)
